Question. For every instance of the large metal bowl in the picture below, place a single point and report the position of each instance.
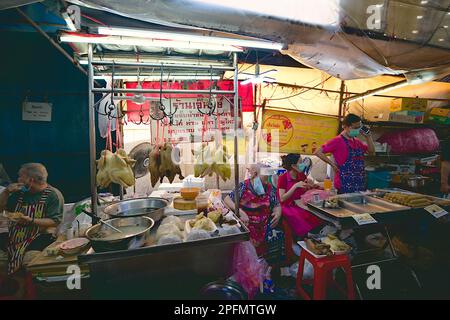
(128, 241)
(150, 207)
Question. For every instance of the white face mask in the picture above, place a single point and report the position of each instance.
(258, 186)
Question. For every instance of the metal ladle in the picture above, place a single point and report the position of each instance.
(107, 224)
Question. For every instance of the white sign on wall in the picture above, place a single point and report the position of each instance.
(36, 111)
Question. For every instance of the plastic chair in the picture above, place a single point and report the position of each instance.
(323, 275)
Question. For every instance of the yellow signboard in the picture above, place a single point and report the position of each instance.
(294, 132)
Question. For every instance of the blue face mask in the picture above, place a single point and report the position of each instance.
(301, 167)
(25, 188)
(354, 133)
(258, 186)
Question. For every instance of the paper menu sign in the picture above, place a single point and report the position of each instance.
(365, 218)
(436, 211)
(36, 111)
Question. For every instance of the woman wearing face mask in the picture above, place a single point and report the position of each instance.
(259, 207)
(348, 153)
(291, 186)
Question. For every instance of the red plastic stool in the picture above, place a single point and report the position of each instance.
(323, 275)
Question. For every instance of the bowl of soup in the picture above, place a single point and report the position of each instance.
(132, 235)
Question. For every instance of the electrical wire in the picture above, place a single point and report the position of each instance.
(94, 20)
(299, 93)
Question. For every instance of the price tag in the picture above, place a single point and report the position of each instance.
(365, 218)
(436, 211)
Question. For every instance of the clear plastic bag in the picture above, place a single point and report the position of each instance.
(249, 271)
(308, 270)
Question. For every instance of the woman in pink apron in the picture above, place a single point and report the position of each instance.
(291, 186)
(258, 207)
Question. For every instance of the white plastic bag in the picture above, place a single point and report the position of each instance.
(308, 270)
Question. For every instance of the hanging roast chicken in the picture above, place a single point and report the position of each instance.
(115, 167)
(212, 160)
(161, 164)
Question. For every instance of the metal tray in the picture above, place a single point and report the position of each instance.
(350, 205)
(369, 204)
(379, 194)
(208, 257)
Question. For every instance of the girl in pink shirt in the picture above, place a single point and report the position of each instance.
(291, 186)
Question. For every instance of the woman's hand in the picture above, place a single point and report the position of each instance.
(14, 187)
(299, 184)
(24, 220)
(276, 215)
(243, 216)
(309, 184)
(298, 203)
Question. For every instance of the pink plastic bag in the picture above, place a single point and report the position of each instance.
(309, 195)
(421, 140)
(249, 270)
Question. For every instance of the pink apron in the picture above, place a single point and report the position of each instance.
(21, 236)
(300, 220)
(258, 210)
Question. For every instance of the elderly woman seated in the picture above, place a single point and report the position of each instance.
(259, 207)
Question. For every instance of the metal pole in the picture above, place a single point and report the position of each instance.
(341, 105)
(377, 90)
(158, 91)
(119, 114)
(236, 127)
(92, 147)
(159, 65)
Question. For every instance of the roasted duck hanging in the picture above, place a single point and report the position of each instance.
(212, 160)
(161, 164)
(115, 167)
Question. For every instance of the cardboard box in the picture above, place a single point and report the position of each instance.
(381, 148)
(403, 169)
(407, 116)
(439, 119)
(441, 112)
(409, 104)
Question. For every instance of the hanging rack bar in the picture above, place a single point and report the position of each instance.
(92, 147)
(158, 91)
(236, 127)
(158, 65)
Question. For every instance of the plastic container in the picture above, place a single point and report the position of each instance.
(202, 203)
(189, 193)
(327, 184)
(378, 179)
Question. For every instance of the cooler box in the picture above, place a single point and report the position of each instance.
(378, 179)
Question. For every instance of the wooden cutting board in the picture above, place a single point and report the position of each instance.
(43, 260)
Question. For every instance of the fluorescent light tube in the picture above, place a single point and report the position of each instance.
(130, 41)
(151, 34)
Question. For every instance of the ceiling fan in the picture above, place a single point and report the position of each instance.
(258, 77)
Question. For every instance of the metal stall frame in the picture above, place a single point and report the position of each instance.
(93, 90)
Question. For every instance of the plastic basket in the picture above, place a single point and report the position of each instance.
(378, 179)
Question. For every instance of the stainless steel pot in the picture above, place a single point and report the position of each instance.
(223, 290)
(416, 182)
(125, 241)
(150, 207)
